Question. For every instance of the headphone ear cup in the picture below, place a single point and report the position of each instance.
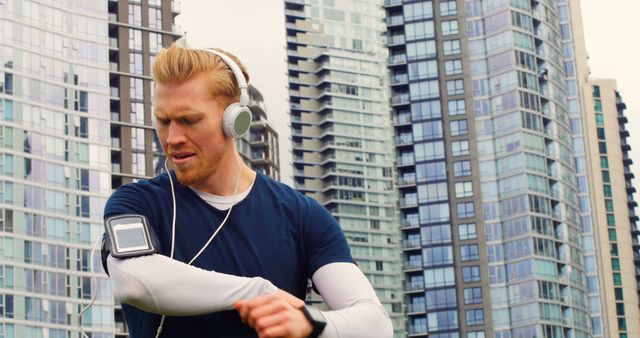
(236, 120)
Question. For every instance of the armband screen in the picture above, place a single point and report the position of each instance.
(130, 236)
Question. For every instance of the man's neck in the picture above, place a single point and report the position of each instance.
(225, 183)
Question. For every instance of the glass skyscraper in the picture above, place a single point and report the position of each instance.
(341, 131)
(55, 166)
(493, 140)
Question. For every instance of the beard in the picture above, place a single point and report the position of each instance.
(199, 171)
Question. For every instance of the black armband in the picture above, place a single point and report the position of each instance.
(129, 236)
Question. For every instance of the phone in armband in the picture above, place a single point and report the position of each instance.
(130, 236)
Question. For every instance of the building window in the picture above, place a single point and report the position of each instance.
(419, 30)
(606, 177)
(475, 317)
(596, 91)
(618, 293)
(604, 162)
(471, 274)
(461, 168)
(424, 90)
(597, 105)
(615, 264)
(439, 277)
(452, 67)
(449, 27)
(617, 279)
(608, 204)
(455, 87)
(421, 49)
(464, 189)
(442, 320)
(600, 132)
(135, 15)
(599, 119)
(468, 252)
(417, 11)
(602, 147)
(460, 148)
(467, 231)
(456, 107)
(448, 8)
(611, 220)
(423, 70)
(439, 299)
(612, 235)
(475, 334)
(451, 47)
(458, 127)
(437, 255)
(465, 210)
(472, 296)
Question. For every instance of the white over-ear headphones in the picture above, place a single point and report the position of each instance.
(236, 118)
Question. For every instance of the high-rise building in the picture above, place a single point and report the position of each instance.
(259, 148)
(54, 167)
(616, 241)
(491, 132)
(341, 129)
(138, 30)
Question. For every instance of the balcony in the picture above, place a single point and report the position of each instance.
(409, 223)
(408, 202)
(114, 92)
(400, 99)
(407, 180)
(414, 286)
(399, 79)
(113, 43)
(412, 265)
(420, 329)
(293, 12)
(395, 40)
(410, 244)
(176, 6)
(405, 139)
(115, 142)
(416, 308)
(399, 59)
(402, 119)
(115, 116)
(395, 20)
(390, 3)
(405, 160)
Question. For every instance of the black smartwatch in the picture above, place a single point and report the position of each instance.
(316, 319)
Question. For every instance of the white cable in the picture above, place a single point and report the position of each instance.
(173, 226)
(95, 289)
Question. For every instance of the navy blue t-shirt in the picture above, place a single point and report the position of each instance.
(275, 233)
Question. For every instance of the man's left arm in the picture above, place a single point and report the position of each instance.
(355, 308)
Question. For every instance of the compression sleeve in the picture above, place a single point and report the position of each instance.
(355, 309)
(161, 285)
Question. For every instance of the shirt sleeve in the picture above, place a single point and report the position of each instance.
(355, 309)
(325, 241)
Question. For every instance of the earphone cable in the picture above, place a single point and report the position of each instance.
(173, 225)
(95, 291)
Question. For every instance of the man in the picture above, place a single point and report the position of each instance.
(241, 244)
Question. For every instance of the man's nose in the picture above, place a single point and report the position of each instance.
(175, 134)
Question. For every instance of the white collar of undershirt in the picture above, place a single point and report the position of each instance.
(223, 202)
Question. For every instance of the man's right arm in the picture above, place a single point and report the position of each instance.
(159, 284)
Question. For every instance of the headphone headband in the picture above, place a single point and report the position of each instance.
(240, 80)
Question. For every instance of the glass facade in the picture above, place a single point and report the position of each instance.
(341, 130)
(537, 268)
(55, 167)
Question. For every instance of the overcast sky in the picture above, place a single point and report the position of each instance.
(254, 31)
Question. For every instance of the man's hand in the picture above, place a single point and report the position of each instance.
(275, 315)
